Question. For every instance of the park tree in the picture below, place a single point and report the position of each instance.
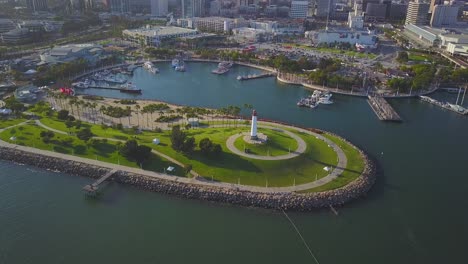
(62, 114)
(402, 57)
(132, 151)
(207, 147)
(46, 136)
(180, 141)
(85, 134)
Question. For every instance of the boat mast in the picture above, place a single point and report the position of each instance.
(463, 98)
(458, 95)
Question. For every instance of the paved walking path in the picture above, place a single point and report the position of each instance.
(342, 162)
(301, 147)
(39, 123)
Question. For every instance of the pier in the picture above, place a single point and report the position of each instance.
(451, 107)
(383, 109)
(255, 76)
(93, 189)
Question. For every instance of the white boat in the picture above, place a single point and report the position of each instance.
(180, 68)
(115, 79)
(225, 64)
(316, 94)
(325, 100)
(177, 62)
(149, 66)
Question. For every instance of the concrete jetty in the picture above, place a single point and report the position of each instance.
(92, 189)
(383, 109)
(255, 76)
(451, 107)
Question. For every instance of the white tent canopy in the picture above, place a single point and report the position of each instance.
(156, 141)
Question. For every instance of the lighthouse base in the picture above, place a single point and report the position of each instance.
(258, 139)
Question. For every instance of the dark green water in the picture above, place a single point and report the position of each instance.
(417, 212)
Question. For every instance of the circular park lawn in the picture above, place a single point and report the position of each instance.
(278, 143)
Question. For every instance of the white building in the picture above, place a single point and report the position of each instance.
(458, 49)
(249, 35)
(6, 25)
(299, 9)
(152, 36)
(159, 7)
(444, 15)
(355, 21)
(212, 24)
(364, 38)
(71, 52)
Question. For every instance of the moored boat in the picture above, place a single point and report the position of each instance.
(130, 88)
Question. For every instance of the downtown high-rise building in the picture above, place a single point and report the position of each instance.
(299, 9)
(434, 3)
(119, 6)
(323, 8)
(193, 8)
(417, 13)
(159, 7)
(444, 15)
(37, 5)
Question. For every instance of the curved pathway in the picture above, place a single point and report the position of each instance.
(301, 147)
(39, 123)
(342, 162)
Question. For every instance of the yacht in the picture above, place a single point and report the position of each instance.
(225, 64)
(325, 100)
(149, 66)
(130, 88)
(176, 62)
(115, 79)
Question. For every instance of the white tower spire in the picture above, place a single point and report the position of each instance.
(253, 129)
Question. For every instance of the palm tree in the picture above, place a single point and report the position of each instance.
(93, 107)
(137, 107)
(129, 114)
(102, 109)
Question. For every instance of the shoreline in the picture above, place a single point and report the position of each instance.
(269, 200)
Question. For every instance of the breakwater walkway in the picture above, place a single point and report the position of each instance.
(342, 163)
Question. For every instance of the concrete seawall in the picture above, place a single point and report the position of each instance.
(285, 201)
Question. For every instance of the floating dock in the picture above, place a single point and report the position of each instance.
(255, 76)
(93, 189)
(454, 108)
(383, 109)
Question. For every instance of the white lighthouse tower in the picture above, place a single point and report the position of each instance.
(253, 129)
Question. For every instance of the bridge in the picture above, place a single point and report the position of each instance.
(93, 189)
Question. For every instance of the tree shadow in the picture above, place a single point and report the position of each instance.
(104, 149)
(61, 149)
(80, 149)
(225, 160)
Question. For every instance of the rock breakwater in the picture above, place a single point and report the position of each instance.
(284, 201)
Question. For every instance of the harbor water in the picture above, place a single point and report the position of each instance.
(416, 213)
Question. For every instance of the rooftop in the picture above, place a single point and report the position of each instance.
(159, 31)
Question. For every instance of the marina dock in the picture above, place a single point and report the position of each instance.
(383, 109)
(93, 189)
(452, 107)
(255, 76)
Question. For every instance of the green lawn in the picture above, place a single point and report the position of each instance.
(417, 57)
(353, 169)
(278, 144)
(10, 122)
(29, 135)
(229, 167)
(226, 167)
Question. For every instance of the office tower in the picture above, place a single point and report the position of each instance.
(417, 13)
